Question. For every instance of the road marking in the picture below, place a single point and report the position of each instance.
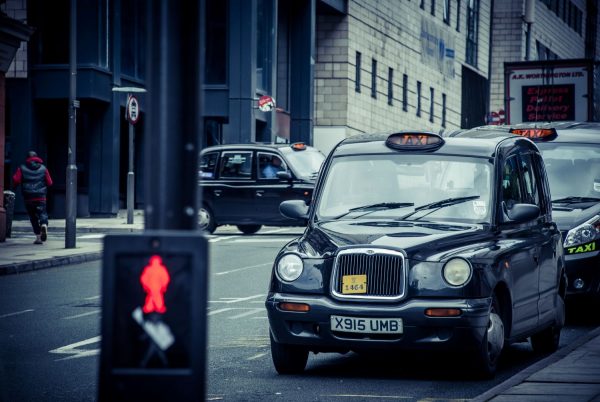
(92, 298)
(258, 356)
(78, 353)
(217, 239)
(229, 300)
(368, 396)
(220, 310)
(260, 318)
(17, 313)
(91, 236)
(261, 240)
(242, 269)
(82, 315)
(247, 313)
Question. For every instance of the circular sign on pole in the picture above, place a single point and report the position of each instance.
(266, 103)
(133, 109)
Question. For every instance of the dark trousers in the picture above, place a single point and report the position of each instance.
(37, 215)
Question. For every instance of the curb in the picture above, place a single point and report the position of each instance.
(536, 367)
(20, 267)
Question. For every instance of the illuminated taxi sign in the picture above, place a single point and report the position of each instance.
(534, 133)
(414, 141)
(298, 146)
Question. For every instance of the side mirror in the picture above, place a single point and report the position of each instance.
(284, 174)
(294, 209)
(523, 212)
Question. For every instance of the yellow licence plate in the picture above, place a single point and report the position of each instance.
(354, 284)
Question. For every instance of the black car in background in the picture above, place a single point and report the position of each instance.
(418, 242)
(571, 152)
(243, 184)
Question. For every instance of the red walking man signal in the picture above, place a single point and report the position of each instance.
(155, 279)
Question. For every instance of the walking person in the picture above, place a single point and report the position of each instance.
(34, 179)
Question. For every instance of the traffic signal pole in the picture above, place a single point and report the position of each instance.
(174, 72)
(155, 284)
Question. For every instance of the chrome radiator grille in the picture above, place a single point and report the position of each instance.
(384, 270)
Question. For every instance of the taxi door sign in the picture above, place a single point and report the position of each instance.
(154, 297)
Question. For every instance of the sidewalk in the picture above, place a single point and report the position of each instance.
(19, 254)
(571, 374)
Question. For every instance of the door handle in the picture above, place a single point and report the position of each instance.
(259, 193)
(217, 193)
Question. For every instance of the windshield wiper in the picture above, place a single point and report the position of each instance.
(377, 207)
(573, 199)
(440, 204)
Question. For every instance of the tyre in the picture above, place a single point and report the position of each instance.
(492, 344)
(206, 219)
(548, 340)
(249, 229)
(288, 359)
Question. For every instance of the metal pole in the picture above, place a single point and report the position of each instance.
(130, 178)
(71, 173)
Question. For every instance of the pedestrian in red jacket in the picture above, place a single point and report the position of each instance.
(34, 179)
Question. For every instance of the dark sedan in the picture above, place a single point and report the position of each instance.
(243, 184)
(419, 242)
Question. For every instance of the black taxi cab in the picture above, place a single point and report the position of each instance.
(243, 184)
(418, 242)
(571, 152)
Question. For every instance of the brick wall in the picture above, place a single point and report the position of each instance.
(389, 31)
(17, 9)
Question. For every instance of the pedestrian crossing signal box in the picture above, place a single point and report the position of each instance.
(154, 299)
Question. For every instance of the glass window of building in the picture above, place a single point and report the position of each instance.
(419, 98)
(49, 42)
(405, 92)
(92, 40)
(373, 78)
(133, 38)
(357, 74)
(264, 42)
(215, 68)
(472, 31)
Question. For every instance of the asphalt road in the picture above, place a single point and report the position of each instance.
(50, 328)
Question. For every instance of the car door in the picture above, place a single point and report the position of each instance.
(522, 262)
(234, 195)
(550, 236)
(271, 190)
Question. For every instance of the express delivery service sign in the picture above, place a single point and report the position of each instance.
(547, 92)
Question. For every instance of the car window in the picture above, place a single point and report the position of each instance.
(511, 189)
(306, 163)
(269, 164)
(532, 194)
(573, 169)
(410, 179)
(236, 165)
(208, 165)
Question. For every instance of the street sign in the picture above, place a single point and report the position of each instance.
(266, 103)
(133, 110)
(154, 292)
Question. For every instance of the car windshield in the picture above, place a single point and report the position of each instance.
(306, 163)
(401, 185)
(573, 169)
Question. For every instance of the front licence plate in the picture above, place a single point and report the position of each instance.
(366, 325)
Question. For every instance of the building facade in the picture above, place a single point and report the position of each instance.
(540, 30)
(336, 68)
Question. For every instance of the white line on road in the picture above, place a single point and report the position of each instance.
(257, 240)
(17, 313)
(82, 315)
(258, 356)
(222, 238)
(92, 298)
(252, 311)
(242, 269)
(77, 353)
(220, 310)
(91, 236)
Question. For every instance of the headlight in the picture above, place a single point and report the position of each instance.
(457, 271)
(584, 233)
(289, 267)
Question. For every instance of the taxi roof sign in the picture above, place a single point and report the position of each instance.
(414, 141)
(298, 146)
(535, 133)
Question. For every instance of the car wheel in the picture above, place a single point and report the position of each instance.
(249, 229)
(288, 359)
(548, 340)
(490, 349)
(206, 219)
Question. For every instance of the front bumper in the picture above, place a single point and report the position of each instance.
(587, 269)
(313, 329)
